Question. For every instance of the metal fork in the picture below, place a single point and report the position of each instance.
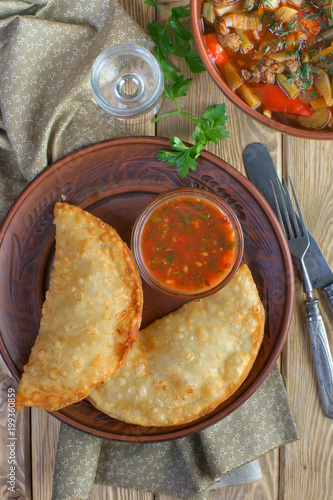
(298, 240)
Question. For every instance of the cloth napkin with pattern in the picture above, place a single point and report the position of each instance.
(46, 52)
(47, 49)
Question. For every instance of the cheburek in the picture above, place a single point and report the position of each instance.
(185, 364)
(90, 317)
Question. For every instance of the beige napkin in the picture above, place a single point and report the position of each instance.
(46, 52)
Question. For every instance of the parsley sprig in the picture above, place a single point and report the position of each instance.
(209, 126)
(174, 38)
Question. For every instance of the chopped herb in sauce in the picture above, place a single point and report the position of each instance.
(188, 244)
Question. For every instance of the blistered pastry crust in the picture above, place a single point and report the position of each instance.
(90, 317)
(185, 364)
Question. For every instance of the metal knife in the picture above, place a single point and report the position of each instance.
(260, 170)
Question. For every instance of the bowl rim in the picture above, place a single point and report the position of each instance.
(195, 8)
(140, 223)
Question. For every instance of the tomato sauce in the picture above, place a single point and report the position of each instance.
(188, 244)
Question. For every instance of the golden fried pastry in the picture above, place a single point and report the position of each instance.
(185, 364)
(90, 317)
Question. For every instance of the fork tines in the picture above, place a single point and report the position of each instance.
(291, 222)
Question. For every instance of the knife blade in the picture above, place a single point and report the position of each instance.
(261, 171)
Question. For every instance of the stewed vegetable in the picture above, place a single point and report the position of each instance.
(277, 55)
(188, 244)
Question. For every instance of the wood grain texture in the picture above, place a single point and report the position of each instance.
(15, 450)
(307, 465)
(102, 492)
(44, 436)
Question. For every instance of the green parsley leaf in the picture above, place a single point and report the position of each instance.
(180, 12)
(194, 62)
(209, 127)
(177, 89)
(178, 144)
(173, 38)
(183, 160)
(180, 32)
(169, 71)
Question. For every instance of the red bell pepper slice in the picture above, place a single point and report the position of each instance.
(215, 51)
(275, 99)
(311, 24)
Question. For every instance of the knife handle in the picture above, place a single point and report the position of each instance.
(329, 293)
(322, 354)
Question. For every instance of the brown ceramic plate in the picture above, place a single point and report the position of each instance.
(114, 180)
(197, 30)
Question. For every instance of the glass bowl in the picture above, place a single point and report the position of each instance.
(187, 243)
(127, 81)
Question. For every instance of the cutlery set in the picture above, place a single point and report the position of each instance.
(307, 255)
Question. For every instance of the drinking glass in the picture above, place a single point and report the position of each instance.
(127, 81)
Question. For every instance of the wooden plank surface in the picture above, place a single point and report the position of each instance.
(307, 465)
(301, 470)
(15, 449)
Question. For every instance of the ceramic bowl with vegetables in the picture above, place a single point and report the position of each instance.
(272, 58)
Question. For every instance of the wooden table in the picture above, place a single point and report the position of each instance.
(302, 470)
